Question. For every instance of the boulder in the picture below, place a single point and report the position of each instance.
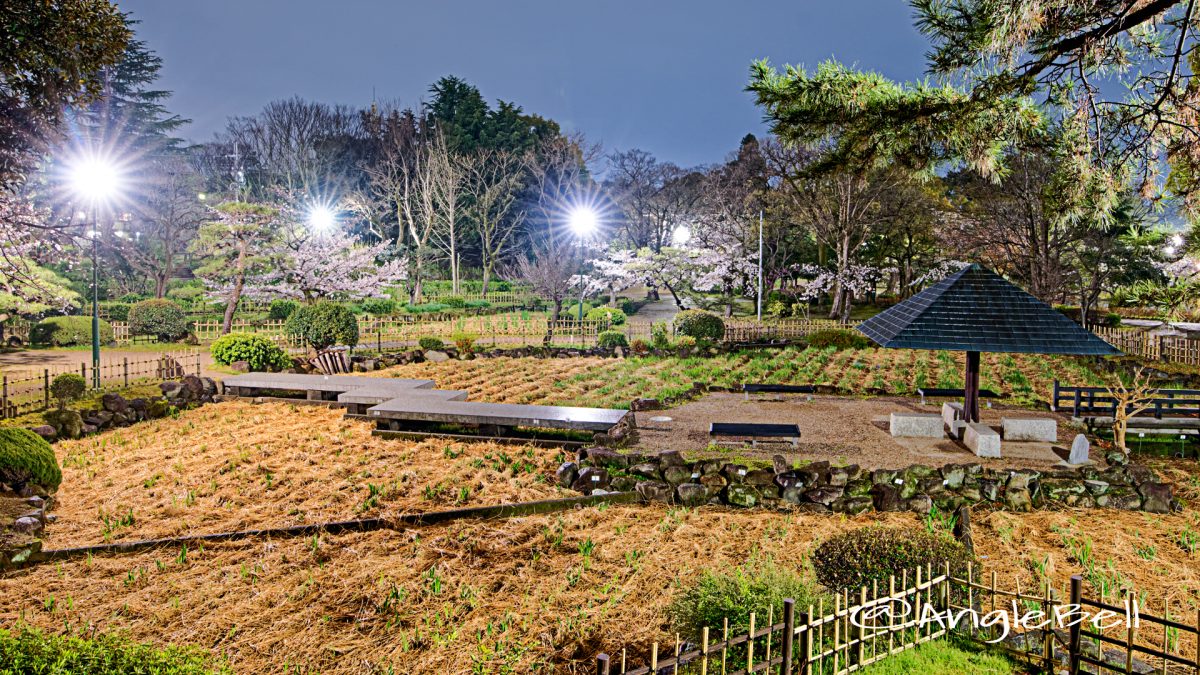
(646, 470)
(66, 423)
(566, 474)
(623, 483)
(1156, 497)
(734, 473)
(1121, 498)
(824, 495)
(859, 488)
(954, 475)
(1080, 450)
(853, 505)
(436, 356)
(654, 491)
(760, 478)
(1095, 487)
(677, 475)
(114, 403)
(671, 458)
(606, 457)
(641, 404)
(715, 482)
(1063, 490)
(1116, 458)
(27, 525)
(45, 431)
(692, 494)
(240, 366)
(741, 495)
(171, 390)
(157, 408)
(920, 504)
(591, 478)
(1018, 499)
(885, 497)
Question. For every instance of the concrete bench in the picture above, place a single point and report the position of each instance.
(954, 418)
(755, 432)
(417, 409)
(1029, 429)
(357, 401)
(982, 439)
(916, 425)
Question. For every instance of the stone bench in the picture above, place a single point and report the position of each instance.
(916, 425)
(1029, 429)
(954, 417)
(982, 439)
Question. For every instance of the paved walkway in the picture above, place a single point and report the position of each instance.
(659, 310)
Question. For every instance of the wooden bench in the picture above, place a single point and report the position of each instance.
(756, 432)
(934, 392)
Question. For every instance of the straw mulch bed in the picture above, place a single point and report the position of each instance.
(238, 466)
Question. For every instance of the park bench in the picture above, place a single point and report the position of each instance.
(935, 392)
(756, 432)
(763, 388)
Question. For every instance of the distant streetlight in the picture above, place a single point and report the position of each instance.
(681, 235)
(95, 181)
(321, 218)
(583, 221)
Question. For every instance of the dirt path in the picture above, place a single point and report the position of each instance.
(35, 359)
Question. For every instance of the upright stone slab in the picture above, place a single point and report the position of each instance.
(982, 439)
(1039, 429)
(916, 425)
(951, 411)
(1080, 450)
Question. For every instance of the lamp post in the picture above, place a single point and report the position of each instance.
(760, 263)
(95, 181)
(584, 222)
(321, 218)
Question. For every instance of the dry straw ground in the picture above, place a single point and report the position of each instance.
(534, 594)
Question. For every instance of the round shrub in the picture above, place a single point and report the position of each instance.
(626, 305)
(699, 325)
(257, 351)
(116, 311)
(455, 301)
(68, 387)
(280, 310)
(838, 338)
(858, 557)
(464, 342)
(427, 343)
(65, 331)
(612, 315)
(685, 345)
(660, 336)
(130, 298)
(323, 325)
(26, 458)
(611, 339)
(161, 318)
(735, 592)
(639, 347)
(379, 306)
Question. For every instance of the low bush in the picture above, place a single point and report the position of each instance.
(26, 458)
(161, 318)
(130, 298)
(611, 339)
(426, 308)
(685, 345)
(66, 331)
(323, 325)
(280, 310)
(838, 338)
(639, 347)
(660, 335)
(859, 557)
(699, 325)
(257, 351)
(427, 343)
(115, 311)
(612, 315)
(28, 650)
(379, 306)
(626, 305)
(464, 342)
(68, 388)
(476, 304)
(735, 592)
(454, 301)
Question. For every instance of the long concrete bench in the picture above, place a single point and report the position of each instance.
(357, 401)
(315, 387)
(982, 439)
(916, 425)
(420, 409)
(1029, 429)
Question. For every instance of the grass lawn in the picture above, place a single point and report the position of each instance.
(944, 657)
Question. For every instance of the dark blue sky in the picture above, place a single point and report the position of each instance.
(666, 76)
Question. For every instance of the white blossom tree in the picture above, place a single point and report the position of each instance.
(328, 265)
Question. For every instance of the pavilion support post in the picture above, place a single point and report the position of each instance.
(971, 388)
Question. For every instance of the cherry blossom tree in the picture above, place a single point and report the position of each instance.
(328, 265)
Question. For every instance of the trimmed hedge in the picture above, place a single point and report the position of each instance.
(699, 324)
(859, 557)
(838, 338)
(427, 343)
(116, 311)
(27, 458)
(611, 339)
(161, 318)
(612, 315)
(323, 325)
(378, 306)
(256, 350)
(68, 387)
(66, 331)
(280, 310)
(28, 650)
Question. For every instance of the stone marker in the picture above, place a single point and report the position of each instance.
(1079, 450)
(951, 411)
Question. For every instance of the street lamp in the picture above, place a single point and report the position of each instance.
(583, 221)
(321, 218)
(95, 181)
(681, 235)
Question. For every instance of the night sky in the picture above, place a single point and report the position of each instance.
(664, 76)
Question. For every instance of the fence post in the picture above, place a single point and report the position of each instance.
(4, 412)
(789, 633)
(125, 369)
(805, 643)
(602, 664)
(1073, 643)
(196, 354)
(46, 387)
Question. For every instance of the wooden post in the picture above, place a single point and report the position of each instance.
(46, 386)
(602, 664)
(971, 404)
(704, 651)
(4, 412)
(750, 646)
(789, 633)
(1073, 646)
(125, 368)
(805, 642)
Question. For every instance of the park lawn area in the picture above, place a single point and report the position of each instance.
(614, 383)
(945, 657)
(540, 593)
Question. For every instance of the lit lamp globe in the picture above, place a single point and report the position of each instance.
(583, 221)
(321, 218)
(94, 180)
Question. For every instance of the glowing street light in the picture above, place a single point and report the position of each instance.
(321, 218)
(681, 235)
(583, 221)
(96, 181)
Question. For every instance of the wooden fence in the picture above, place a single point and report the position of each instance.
(25, 391)
(1165, 348)
(875, 623)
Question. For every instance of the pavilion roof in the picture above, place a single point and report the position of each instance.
(977, 310)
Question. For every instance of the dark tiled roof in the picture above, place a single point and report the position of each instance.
(977, 310)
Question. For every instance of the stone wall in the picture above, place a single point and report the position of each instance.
(117, 411)
(820, 487)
